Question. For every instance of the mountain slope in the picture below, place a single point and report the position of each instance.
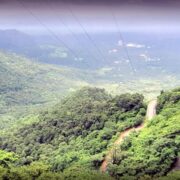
(151, 54)
(154, 150)
(75, 135)
(82, 125)
(25, 84)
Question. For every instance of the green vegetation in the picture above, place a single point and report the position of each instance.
(40, 171)
(70, 140)
(154, 150)
(76, 132)
(27, 86)
(171, 176)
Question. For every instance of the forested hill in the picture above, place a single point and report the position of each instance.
(76, 132)
(25, 84)
(154, 151)
(73, 137)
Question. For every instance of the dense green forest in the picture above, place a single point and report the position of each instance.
(83, 124)
(27, 86)
(71, 139)
(154, 150)
(89, 90)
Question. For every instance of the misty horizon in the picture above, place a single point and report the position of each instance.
(35, 17)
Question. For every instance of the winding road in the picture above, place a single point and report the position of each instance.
(151, 109)
(150, 113)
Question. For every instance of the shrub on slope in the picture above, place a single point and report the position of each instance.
(154, 150)
(77, 131)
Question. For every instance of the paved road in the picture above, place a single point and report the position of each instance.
(150, 113)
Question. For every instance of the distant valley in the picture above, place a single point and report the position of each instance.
(27, 85)
(85, 116)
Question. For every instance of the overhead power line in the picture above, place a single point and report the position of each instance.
(123, 42)
(72, 33)
(85, 31)
(48, 29)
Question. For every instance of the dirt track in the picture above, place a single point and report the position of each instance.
(151, 109)
(150, 113)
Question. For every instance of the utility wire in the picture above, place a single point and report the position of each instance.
(85, 31)
(48, 29)
(123, 42)
(73, 34)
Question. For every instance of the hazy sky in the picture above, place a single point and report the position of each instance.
(36, 16)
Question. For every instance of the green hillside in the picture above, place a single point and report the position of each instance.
(25, 85)
(70, 140)
(83, 126)
(154, 150)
